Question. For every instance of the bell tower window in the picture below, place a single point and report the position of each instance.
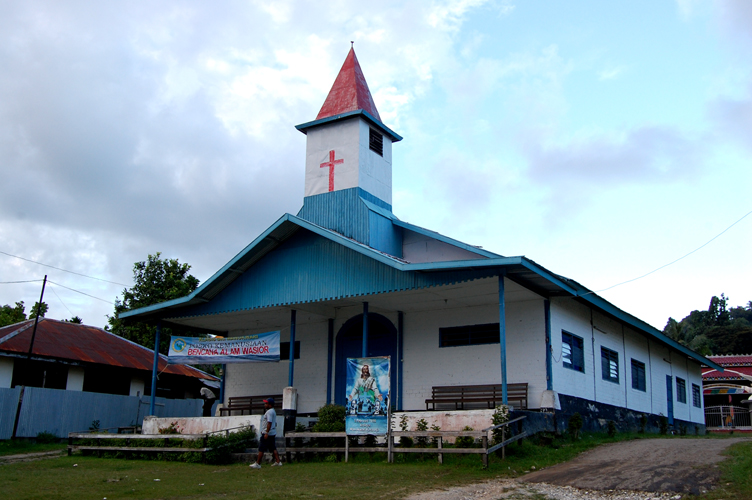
(376, 142)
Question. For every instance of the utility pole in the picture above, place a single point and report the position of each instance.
(26, 368)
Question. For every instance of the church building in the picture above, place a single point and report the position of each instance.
(346, 278)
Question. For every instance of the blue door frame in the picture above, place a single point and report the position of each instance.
(670, 398)
(382, 341)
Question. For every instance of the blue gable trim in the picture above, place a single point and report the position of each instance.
(309, 268)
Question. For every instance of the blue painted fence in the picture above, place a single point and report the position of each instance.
(60, 412)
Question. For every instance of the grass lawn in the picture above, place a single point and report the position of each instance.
(80, 477)
(19, 446)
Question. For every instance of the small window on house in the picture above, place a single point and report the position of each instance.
(284, 350)
(681, 390)
(638, 375)
(696, 402)
(469, 335)
(376, 142)
(610, 365)
(572, 354)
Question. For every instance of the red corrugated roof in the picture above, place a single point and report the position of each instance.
(87, 344)
(349, 92)
(732, 359)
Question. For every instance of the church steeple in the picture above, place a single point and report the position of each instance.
(349, 92)
(349, 161)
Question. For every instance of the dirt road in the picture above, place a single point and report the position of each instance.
(659, 468)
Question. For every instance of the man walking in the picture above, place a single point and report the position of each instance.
(268, 435)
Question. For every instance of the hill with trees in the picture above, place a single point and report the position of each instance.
(719, 330)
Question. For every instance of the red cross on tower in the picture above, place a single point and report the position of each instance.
(331, 164)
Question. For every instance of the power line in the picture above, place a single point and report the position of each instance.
(64, 270)
(61, 301)
(11, 282)
(680, 258)
(79, 291)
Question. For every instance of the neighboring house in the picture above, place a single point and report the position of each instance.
(730, 387)
(348, 277)
(85, 358)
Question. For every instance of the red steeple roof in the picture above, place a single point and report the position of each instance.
(349, 92)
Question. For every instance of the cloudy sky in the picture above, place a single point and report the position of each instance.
(602, 140)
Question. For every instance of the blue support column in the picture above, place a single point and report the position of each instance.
(503, 338)
(365, 330)
(222, 384)
(400, 350)
(329, 360)
(549, 365)
(155, 367)
(292, 348)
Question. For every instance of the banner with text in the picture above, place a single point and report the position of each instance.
(368, 396)
(259, 347)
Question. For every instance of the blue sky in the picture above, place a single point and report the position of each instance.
(601, 140)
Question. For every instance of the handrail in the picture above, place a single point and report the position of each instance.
(502, 425)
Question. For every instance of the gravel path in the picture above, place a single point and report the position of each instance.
(634, 470)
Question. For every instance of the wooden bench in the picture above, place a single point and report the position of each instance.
(251, 404)
(465, 397)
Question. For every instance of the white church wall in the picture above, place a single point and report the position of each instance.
(359, 167)
(607, 333)
(574, 318)
(636, 347)
(249, 379)
(427, 365)
(375, 171)
(660, 357)
(694, 376)
(418, 248)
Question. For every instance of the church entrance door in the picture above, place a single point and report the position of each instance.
(382, 341)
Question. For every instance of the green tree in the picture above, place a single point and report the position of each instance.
(719, 330)
(155, 280)
(11, 315)
(74, 319)
(41, 310)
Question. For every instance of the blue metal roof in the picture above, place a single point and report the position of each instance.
(304, 262)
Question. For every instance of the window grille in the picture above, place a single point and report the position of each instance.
(610, 365)
(681, 390)
(638, 375)
(572, 353)
(376, 142)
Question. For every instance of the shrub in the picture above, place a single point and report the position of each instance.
(173, 428)
(663, 425)
(435, 440)
(611, 428)
(223, 446)
(575, 425)
(47, 437)
(94, 427)
(500, 416)
(405, 442)
(465, 441)
(421, 425)
(643, 423)
(331, 419)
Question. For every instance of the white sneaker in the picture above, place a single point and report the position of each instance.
(254, 465)
(277, 464)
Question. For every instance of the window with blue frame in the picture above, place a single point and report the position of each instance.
(696, 401)
(469, 335)
(572, 352)
(638, 375)
(610, 365)
(681, 390)
(284, 350)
